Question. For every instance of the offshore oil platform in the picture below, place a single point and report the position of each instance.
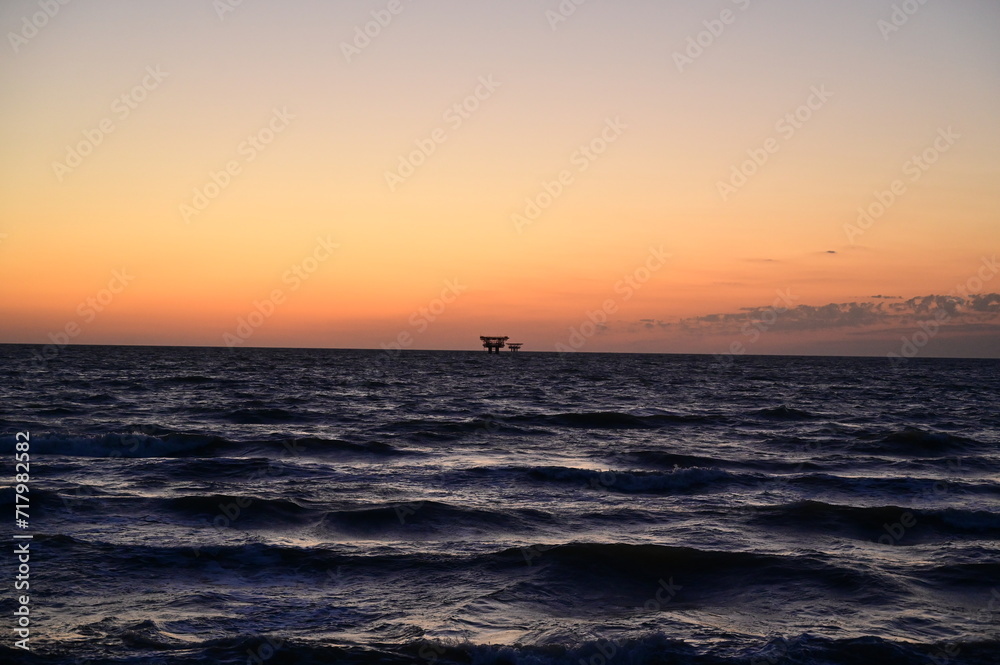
(494, 344)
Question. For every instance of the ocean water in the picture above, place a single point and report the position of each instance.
(314, 506)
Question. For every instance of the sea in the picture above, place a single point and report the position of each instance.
(209, 505)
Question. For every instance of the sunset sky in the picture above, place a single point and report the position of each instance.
(636, 175)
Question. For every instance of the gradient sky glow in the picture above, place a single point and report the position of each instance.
(930, 88)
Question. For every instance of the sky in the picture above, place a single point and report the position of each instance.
(722, 176)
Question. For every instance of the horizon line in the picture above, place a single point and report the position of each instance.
(475, 351)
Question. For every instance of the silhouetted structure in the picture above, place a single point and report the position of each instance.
(514, 346)
(493, 344)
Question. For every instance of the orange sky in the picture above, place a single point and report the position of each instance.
(217, 159)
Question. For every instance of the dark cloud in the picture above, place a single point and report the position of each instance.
(648, 324)
(883, 311)
(955, 328)
(989, 302)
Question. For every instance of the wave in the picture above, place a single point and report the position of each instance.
(238, 468)
(671, 460)
(707, 571)
(189, 379)
(678, 480)
(621, 420)
(917, 488)
(100, 398)
(887, 525)
(145, 638)
(976, 576)
(62, 411)
(658, 420)
(240, 510)
(39, 496)
(149, 635)
(612, 420)
(263, 416)
(783, 412)
(658, 647)
(445, 429)
(314, 446)
(155, 441)
(309, 447)
(426, 517)
(114, 444)
(449, 429)
(400, 519)
(917, 442)
(637, 482)
(544, 423)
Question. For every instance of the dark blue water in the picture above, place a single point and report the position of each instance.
(310, 506)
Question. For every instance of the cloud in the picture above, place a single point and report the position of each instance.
(882, 311)
(960, 328)
(649, 324)
(989, 302)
